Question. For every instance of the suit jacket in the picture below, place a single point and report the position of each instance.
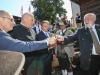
(46, 58)
(8, 43)
(85, 44)
(69, 49)
(22, 33)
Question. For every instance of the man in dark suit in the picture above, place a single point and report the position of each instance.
(89, 43)
(25, 32)
(8, 43)
(46, 58)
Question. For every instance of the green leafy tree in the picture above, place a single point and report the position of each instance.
(48, 9)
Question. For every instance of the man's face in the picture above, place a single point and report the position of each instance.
(62, 27)
(7, 23)
(89, 21)
(30, 21)
(45, 27)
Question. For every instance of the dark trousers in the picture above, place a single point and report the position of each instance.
(64, 63)
(47, 69)
(28, 61)
(94, 65)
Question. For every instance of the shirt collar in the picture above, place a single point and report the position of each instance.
(44, 32)
(64, 30)
(2, 30)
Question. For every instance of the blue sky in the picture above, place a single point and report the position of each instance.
(14, 6)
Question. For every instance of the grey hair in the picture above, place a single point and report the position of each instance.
(26, 14)
(45, 21)
(3, 13)
(91, 14)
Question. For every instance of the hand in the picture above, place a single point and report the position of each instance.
(54, 57)
(51, 46)
(52, 41)
(59, 38)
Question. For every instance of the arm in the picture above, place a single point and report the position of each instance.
(8, 43)
(68, 39)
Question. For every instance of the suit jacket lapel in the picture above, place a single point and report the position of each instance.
(88, 33)
(43, 35)
(98, 32)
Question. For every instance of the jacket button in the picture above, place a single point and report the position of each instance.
(90, 54)
(90, 49)
(82, 39)
(89, 59)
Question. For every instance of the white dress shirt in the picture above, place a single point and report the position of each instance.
(93, 49)
(61, 31)
(46, 33)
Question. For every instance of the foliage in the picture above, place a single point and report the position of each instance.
(48, 9)
(76, 44)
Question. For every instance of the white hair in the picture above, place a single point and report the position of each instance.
(26, 14)
(91, 14)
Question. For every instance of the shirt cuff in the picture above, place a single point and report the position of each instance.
(48, 42)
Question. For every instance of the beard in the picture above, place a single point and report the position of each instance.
(89, 25)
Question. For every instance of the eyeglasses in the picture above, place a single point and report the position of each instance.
(9, 18)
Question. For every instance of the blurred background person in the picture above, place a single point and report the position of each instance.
(37, 27)
(78, 20)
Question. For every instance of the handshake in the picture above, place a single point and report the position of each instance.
(53, 41)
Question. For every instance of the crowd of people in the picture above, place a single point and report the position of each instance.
(41, 42)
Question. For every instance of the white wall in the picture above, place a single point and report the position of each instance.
(75, 9)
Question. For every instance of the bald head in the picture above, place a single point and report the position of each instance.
(27, 19)
(89, 19)
(3, 13)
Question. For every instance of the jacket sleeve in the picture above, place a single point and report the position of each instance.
(42, 51)
(71, 38)
(8, 43)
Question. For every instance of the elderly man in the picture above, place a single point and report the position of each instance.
(25, 32)
(8, 43)
(89, 43)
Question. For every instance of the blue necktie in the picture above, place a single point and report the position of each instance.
(47, 35)
(38, 28)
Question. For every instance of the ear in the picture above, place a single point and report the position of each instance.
(94, 19)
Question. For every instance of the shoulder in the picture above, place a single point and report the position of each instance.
(40, 33)
(2, 33)
(98, 25)
(17, 26)
(58, 31)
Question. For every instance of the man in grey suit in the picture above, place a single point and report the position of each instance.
(67, 50)
(89, 44)
(8, 43)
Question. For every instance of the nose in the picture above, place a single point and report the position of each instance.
(13, 23)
